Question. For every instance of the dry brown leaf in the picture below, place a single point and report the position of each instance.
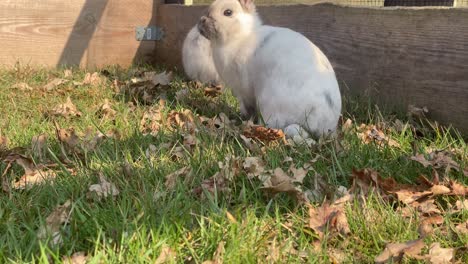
(347, 125)
(104, 188)
(67, 110)
(254, 166)
(414, 111)
(148, 88)
(39, 146)
(230, 167)
(426, 225)
(330, 217)
(370, 133)
(167, 255)
(213, 91)
(106, 111)
(428, 207)
(439, 190)
(215, 184)
(298, 174)
(279, 181)
(33, 174)
(54, 223)
(35, 177)
(394, 252)
(408, 196)
(439, 255)
(462, 228)
(263, 134)
(54, 84)
(367, 179)
(458, 189)
(189, 141)
(67, 73)
(184, 120)
(93, 79)
(171, 179)
(22, 87)
(162, 78)
(76, 258)
(91, 140)
(69, 138)
(461, 205)
(151, 121)
(439, 159)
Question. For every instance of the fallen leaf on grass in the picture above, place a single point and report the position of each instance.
(22, 87)
(33, 174)
(184, 120)
(366, 180)
(93, 79)
(189, 141)
(151, 121)
(67, 110)
(35, 177)
(394, 252)
(106, 111)
(214, 184)
(104, 188)
(370, 133)
(54, 223)
(163, 78)
(171, 179)
(439, 255)
(213, 91)
(426, 225)
(148, 88)
(462, 228)
(437, 160)
(73, 143)
(167, 255)
(330, 217)
(279, 181)
(54, 84)
(230, 167)
(460, 206)
(263, 134)
(67, 73)
(76, 258)
(254, 166)
(458, 189)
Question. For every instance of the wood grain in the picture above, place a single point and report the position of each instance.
(73, 32)
(399, 56)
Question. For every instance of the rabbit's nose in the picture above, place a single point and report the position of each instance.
(203, 19)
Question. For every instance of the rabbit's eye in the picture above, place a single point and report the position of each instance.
(228, 12)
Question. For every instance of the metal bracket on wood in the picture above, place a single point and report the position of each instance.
(148, 33)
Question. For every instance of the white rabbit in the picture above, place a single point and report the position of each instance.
(197, 58)
(272, 70)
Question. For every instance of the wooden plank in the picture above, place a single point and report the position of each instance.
(74, 32)
(398, 56)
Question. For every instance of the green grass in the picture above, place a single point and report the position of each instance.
(145, 217)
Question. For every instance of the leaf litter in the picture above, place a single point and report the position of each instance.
(55, 222)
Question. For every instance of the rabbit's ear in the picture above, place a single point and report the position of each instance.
(248, 5)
